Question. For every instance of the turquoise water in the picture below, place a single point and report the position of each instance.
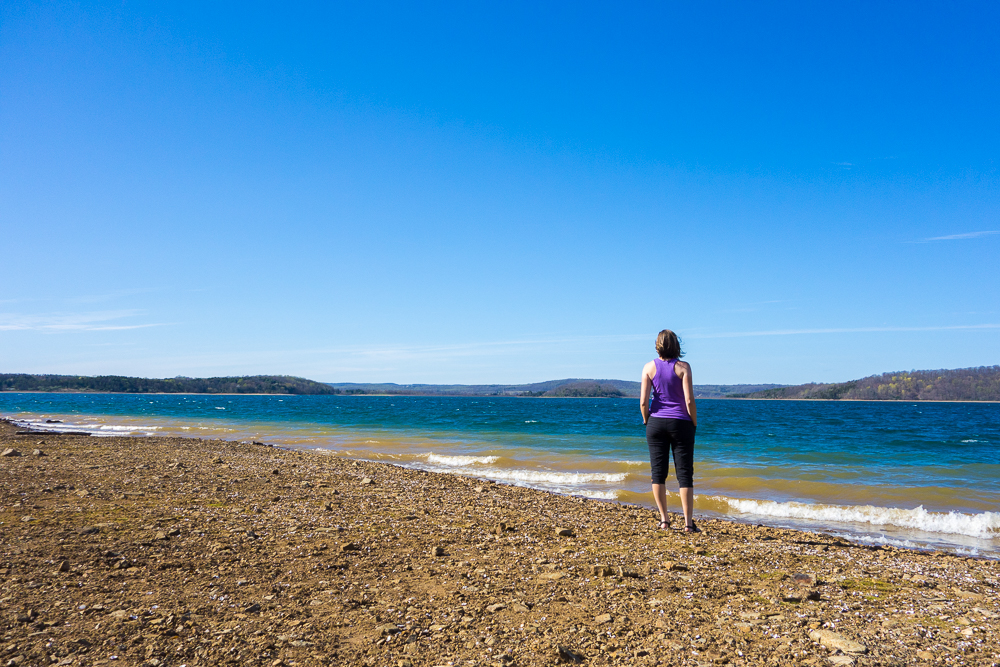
(914, 474)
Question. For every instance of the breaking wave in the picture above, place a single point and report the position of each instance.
(984, 525)
(460, 460)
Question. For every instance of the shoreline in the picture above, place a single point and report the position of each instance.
(630, 398)
(207, 552)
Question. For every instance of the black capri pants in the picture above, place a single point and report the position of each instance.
(663, 435)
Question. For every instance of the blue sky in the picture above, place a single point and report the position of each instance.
(498, 192)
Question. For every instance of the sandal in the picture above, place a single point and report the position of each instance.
(692, 528)
(665, 525)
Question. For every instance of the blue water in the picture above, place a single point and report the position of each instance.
(910, 473)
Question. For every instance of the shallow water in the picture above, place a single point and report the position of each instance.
(913, 474)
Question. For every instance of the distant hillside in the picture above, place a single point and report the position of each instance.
(963, 384)
(567, 387)
(254, 384)
(726, 390)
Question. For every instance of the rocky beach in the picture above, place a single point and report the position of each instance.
(167, 551)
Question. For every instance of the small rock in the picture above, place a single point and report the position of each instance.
(602, 619)
(803, 579)
(841, 660)
(564, 532)
(985, 612)
(387, 629)
(671, 566)
(305, 484)
(252, 609)
(833, 640)
(63, 566)
(437, 551)
(404, 662)
(367, 481)
(26, 519)
(493, 608)
(564, 654)
(328, 506)
(350, 546)
(601, 571)
(89, 530)
(160, 535)
(38, 452)
(551, 576)
(83, 493)
(925, 655)
(218, 459)
(793, 598)
(120, 615)
(10, 451)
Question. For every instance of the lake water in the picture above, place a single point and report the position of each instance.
(924, 475)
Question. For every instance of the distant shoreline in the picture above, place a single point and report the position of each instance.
(630, 398)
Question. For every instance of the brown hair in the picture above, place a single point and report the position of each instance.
(668, 345)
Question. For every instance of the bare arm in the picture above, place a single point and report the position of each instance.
(648, 372)
(683, 370)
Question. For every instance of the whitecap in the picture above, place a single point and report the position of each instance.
(984, 525)
(460, 460)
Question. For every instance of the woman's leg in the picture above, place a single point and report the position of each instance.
(660, 496)
(659, 462)
(683, 448)
(687, 504)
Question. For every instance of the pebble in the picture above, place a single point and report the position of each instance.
(564, 532)
(837, 641)
(38, 452)
(10, 451)
(602, 619)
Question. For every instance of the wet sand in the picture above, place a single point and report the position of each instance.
(169, 551)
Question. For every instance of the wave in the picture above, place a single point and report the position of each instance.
(48, 426)
(984, 525)
(562, 478)
(460, 461)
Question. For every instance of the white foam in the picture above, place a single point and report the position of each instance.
(633, 463)
(99, 430)
(460, 461)
(560, 478)
(984, 525)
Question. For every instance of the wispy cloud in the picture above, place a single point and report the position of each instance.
(72, 322)
(958, 237)
(806, 332)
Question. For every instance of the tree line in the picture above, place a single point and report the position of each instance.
(963, 384)
(251, 384)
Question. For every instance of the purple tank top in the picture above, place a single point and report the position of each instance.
(668, 392)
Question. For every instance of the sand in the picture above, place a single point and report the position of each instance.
(168, 551)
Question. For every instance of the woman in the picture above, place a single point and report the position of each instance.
(670, 424)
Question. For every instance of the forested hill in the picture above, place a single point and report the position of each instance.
(963, 384)
(570, 387)
(253, 384)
